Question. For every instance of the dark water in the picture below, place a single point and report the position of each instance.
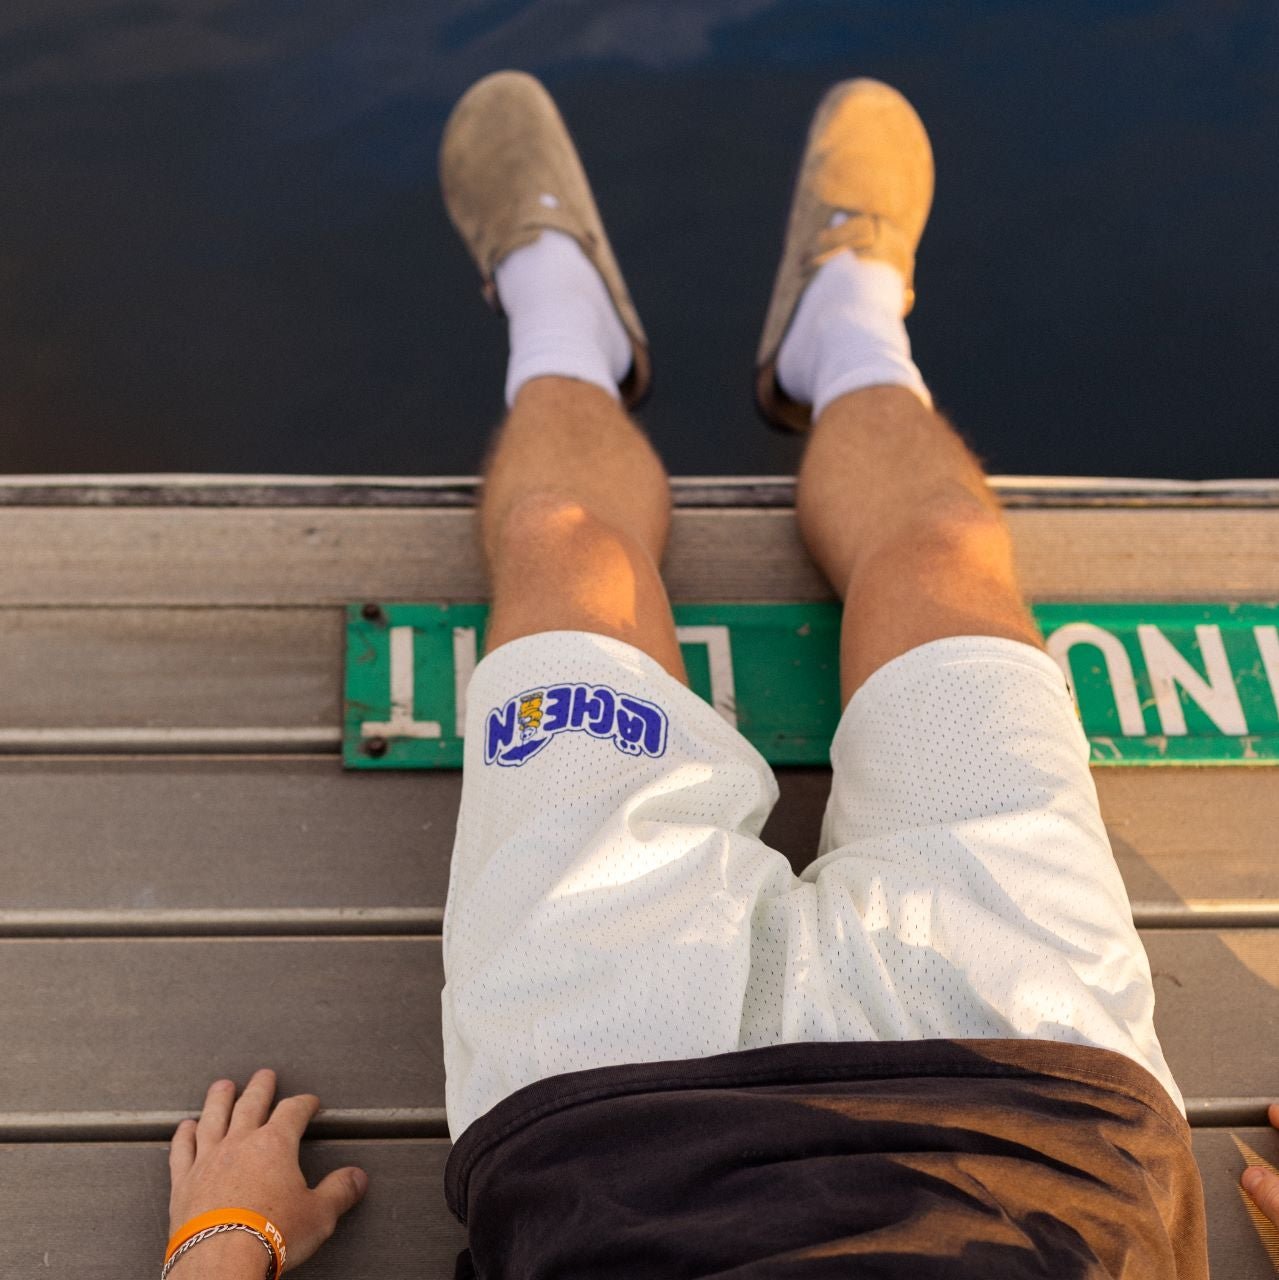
(222, 246)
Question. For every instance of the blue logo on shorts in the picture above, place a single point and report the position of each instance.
(518, 730)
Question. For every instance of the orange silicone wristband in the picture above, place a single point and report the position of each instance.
(245, 1217)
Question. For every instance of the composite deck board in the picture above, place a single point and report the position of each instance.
(202, 489)
(1235, 1251)
(1217, 1008)
(93, 1026)
(402, 1229)
(235, 833)
(357, 1020)
(170, 667)
(328, 555)
(295, 833)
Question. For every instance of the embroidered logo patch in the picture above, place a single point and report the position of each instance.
(516, 731)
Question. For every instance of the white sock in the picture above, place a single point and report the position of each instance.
(847, 333)
(562, 320)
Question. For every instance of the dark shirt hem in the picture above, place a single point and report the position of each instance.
(808, 1063)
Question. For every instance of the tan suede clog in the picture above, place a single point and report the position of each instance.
(509, 170)
(867, 156)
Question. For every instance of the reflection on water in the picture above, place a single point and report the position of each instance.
(222, 245)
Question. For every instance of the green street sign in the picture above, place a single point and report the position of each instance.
(1154, 683)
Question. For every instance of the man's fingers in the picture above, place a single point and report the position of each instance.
(182, 1149)
(1263, 1187)
(295, 1113)
(343, 1189)
(211, 1127)
(1274, 1114)
(255, 1102)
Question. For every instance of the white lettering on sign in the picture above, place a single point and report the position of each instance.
(1268, 642)
(1118, 670)
(1171, 675)
(465, 656)
(401, 724)
(719, 653)
(1216, 696)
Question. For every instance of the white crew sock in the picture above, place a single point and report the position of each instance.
(847, 333)
(562, 320)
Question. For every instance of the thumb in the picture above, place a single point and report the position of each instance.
(1263, 1187)
(343, 1189)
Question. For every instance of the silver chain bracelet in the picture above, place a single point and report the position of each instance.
(213, 1231)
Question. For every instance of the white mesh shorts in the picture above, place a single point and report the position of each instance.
(610, 900)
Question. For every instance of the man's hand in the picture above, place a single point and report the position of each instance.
(243, 1155)
(1261, 1184)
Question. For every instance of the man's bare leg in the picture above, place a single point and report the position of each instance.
(574, 518)
(897, 513)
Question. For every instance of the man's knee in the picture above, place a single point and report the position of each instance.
(954, 535)
(558, 566)
(955, 569)
(963, 529)
(547, 523)
(557, 527)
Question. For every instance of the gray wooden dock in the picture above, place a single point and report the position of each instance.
(193, 886)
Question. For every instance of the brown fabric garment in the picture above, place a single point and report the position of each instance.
(919, 1159)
